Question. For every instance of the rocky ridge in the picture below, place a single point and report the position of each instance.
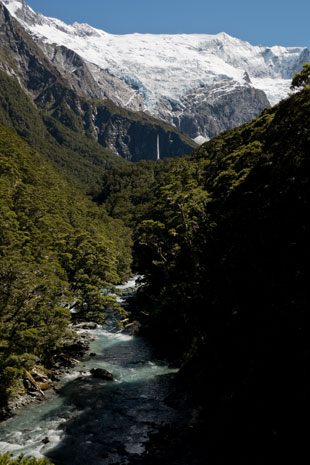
(76, 101)
(208, 110)
(164, 75)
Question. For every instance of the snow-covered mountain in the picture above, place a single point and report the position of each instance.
(85, 130)
(159, 73)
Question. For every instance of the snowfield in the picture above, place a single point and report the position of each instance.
(170, 65)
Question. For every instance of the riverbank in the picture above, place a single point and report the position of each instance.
(105, 421)
(139, 417)
(41, 380)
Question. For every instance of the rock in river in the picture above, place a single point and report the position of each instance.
(102, 374)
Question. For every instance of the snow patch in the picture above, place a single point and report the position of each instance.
(12, 5)
(201, 140)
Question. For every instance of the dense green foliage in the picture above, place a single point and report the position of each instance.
(78, 157)
(7, 459)
(221, 242)
(224, 252)
(127, 191)
(301, 79)
(58, 250)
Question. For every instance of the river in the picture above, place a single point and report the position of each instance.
(95, 421)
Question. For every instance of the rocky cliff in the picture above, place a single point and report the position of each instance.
(64, 89)
(172, 77)
(206, 111)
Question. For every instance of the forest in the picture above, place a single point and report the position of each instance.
(58, 250)
(220, 240)
(222, 246)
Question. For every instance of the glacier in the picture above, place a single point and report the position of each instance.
(202, 84)
(163, 65)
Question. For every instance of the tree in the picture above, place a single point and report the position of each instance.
(8, 459)
(302, 79)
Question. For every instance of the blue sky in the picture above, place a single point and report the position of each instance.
(265, 22)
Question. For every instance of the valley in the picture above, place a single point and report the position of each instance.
(182, 160)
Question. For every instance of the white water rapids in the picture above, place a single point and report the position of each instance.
(93, 420)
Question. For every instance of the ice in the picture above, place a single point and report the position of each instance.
(13, 5)
(200, 140)
(166, 65)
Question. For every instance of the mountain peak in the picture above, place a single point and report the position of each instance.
(22, 12)
(160, 73)
(168, 66)
(84, 29)
(14, 6)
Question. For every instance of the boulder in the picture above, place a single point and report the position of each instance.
(102, 374)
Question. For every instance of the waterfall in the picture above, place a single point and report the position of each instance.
(158, 152)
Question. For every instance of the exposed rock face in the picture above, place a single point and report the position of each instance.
(22, 58)
(73, 69)
(207, 111)
(63, 90)
(89, 80)
(200, 113)
(165, 81)
(131, 135)
(136, 139)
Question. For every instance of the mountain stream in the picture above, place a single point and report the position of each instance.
(89, 420)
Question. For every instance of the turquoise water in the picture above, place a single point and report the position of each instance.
(95, 421)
